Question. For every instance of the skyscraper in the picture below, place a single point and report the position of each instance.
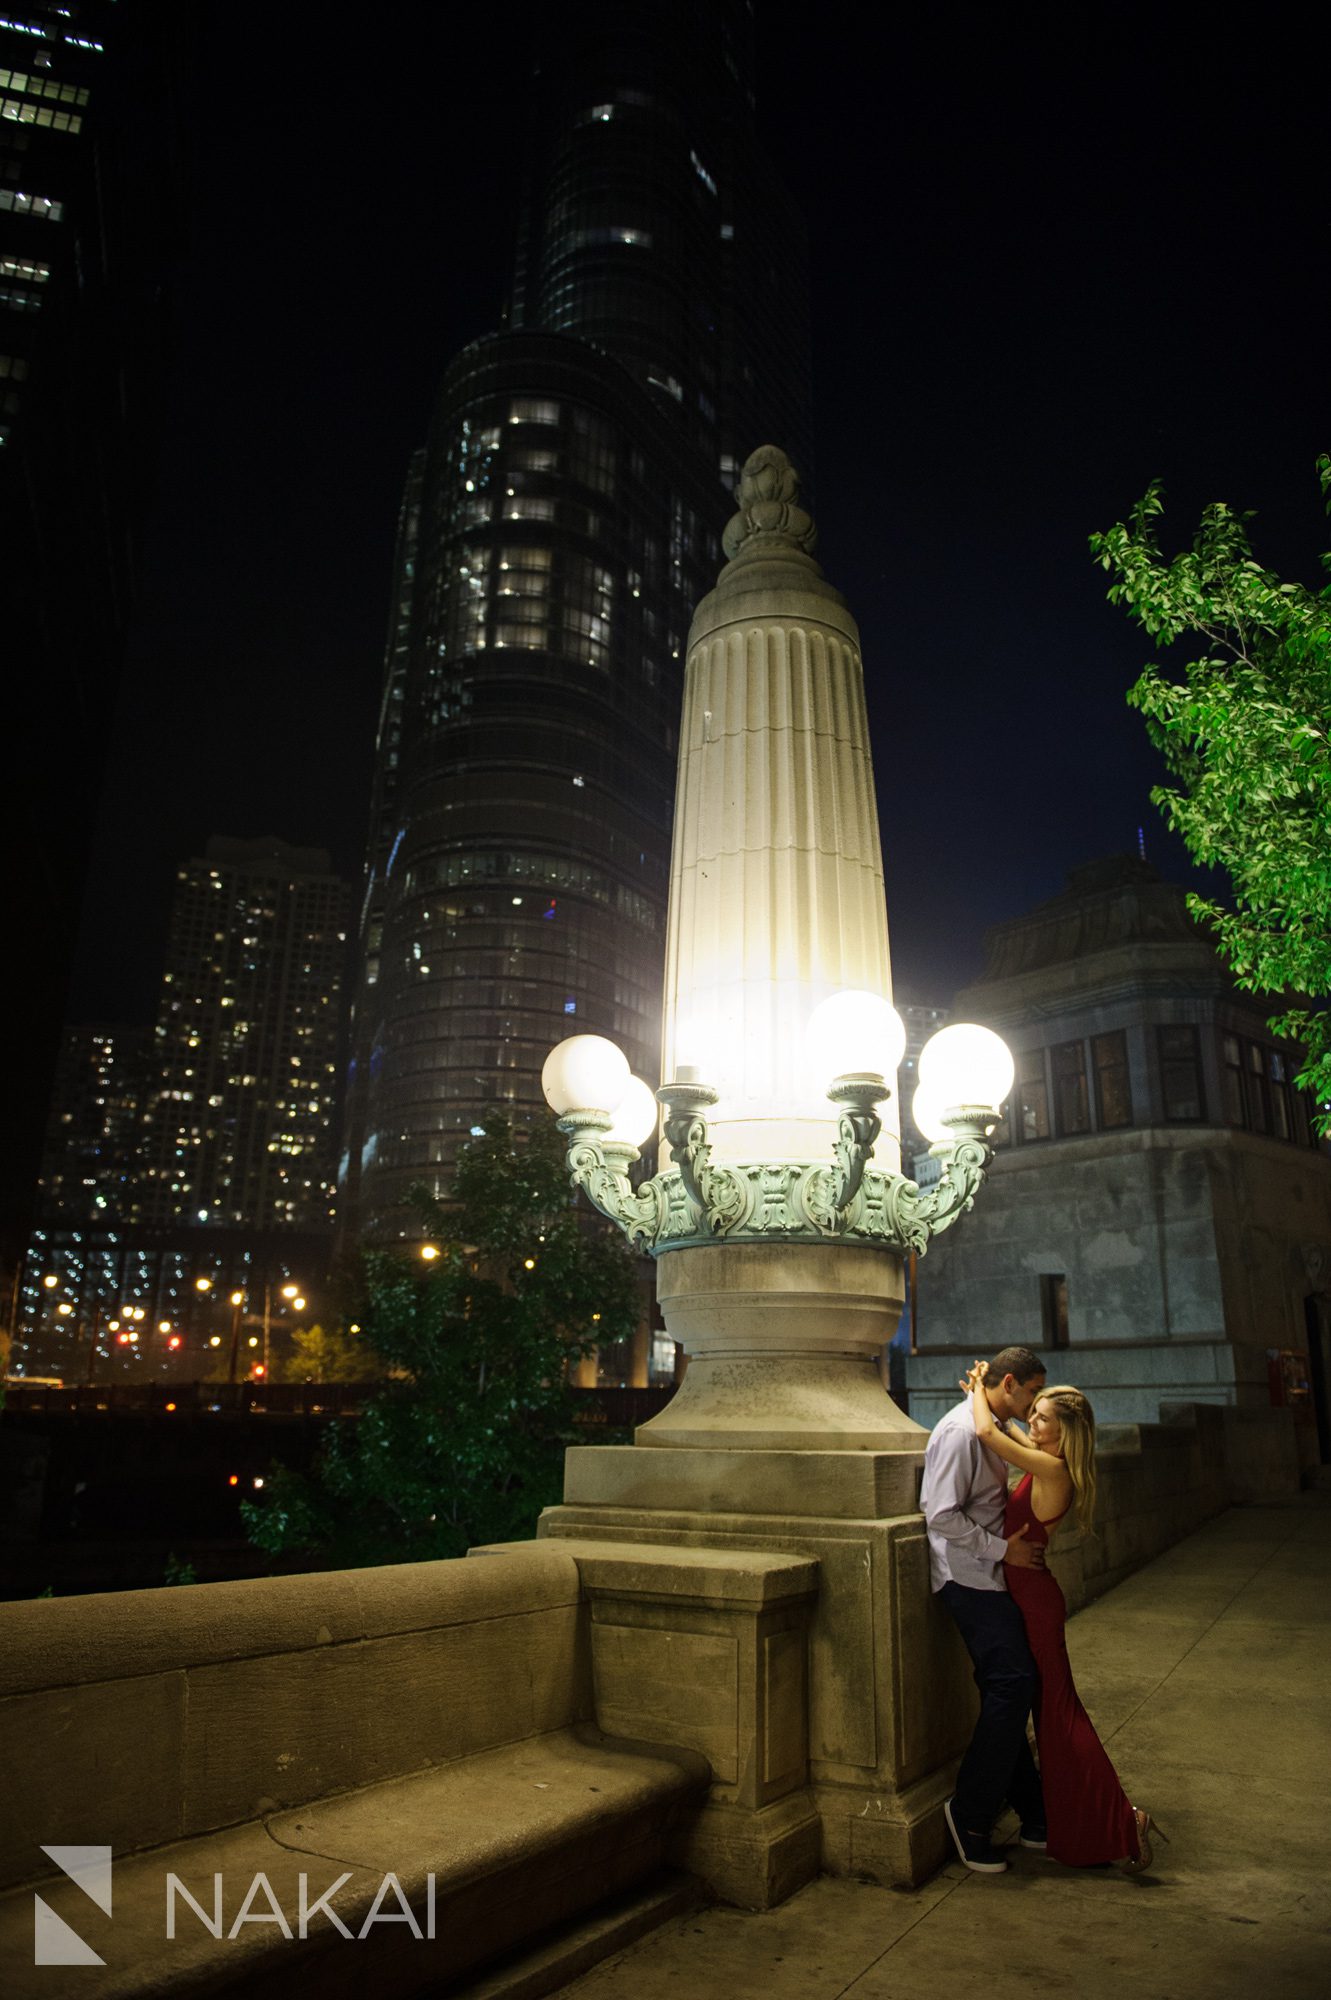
(239, 1129)
(559, 525)
(188, 1170)
(90, 1159)
(92, 193)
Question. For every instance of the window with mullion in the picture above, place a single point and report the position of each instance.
(1181, 1074)
(1031, 1098)
(1113, 1091)
(1072, 1104)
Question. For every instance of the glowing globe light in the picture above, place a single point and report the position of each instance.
(965, 1064)
(927, 1111)
(635, 1120)
(853, 1033)
(585, 1073)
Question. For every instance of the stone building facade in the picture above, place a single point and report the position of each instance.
(1159, 1211)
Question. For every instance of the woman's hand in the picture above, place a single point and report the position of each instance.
(981, 1414)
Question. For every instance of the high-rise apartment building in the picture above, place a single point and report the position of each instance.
(559, 525)
(239, 1130)
(188, 1169)
(90, 1159)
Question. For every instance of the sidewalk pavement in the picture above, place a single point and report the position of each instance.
(1208, 1675)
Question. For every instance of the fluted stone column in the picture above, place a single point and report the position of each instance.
(776, 875)
(776, 901)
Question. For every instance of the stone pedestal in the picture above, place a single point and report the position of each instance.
(783, 1341)
(888, 1704)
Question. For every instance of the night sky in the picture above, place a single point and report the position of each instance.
(1055, 254)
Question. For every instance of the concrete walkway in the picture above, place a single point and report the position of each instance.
(1208, 1675)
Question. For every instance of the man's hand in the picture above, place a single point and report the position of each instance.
(1023, 1554)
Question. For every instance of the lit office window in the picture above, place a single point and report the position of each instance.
(39, 206)
(532, 410)
(24, 267)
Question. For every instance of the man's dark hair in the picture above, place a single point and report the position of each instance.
(1018, 1362)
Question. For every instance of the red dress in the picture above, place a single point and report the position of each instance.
(1086, 1809)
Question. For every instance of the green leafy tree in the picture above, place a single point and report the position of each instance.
(463, 1445)
(327, 1354)
(1243, 729)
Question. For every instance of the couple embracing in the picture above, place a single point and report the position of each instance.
(987, 1564)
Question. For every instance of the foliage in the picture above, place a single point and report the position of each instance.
(1244, 732)
(179, 1569)
(463, 1444)
(318, 1354)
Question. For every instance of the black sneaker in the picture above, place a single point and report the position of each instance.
(974, 1849)
(1036, 1836)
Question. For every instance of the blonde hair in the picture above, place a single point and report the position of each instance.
(1076, 1428)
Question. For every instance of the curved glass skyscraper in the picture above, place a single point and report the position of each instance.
(558, 527)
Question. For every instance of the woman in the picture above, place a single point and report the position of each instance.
(1089, 1817)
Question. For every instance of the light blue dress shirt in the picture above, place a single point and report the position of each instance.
(962, 1497)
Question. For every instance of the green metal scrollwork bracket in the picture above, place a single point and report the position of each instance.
(694, 1201)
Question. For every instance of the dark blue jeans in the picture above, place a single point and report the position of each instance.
(998, 1768)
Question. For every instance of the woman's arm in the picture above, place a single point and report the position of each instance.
(1024, 1456)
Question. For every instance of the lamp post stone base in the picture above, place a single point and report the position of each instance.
(783, 1341)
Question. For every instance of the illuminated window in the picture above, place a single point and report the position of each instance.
(38, 205)
(36, 86)
(532, 410)
(532, 637)
(19, 113)
(615, 232)
(524, 558)
(24, 267)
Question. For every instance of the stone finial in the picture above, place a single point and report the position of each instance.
(769, 510)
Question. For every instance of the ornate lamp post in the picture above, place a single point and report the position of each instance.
(779, 1239)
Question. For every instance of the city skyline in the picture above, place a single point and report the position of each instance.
(1018, 322)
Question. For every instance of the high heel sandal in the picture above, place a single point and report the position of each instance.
(1138, 1863)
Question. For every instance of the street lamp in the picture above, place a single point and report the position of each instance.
(696, 1200)
(293, 1297)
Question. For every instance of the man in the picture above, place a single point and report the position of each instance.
(963, 1496)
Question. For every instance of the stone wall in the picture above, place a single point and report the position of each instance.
(1157, 1482)
(1187, 1254)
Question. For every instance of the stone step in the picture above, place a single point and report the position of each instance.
(563, 1955)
